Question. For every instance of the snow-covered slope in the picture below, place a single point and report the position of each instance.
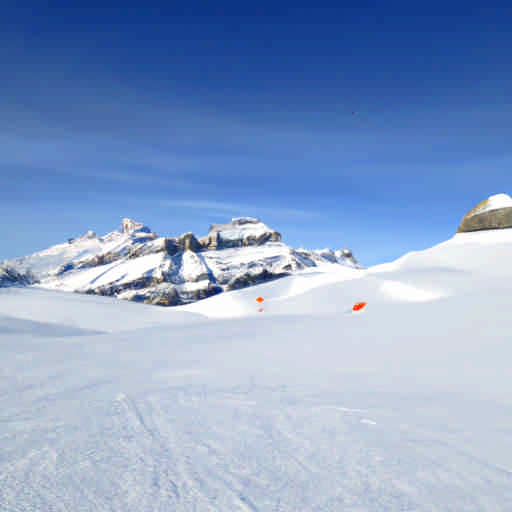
(404, 405)
(134, 263)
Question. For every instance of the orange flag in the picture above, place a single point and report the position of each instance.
(358, 306)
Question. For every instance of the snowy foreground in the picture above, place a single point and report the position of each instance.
(107, 405)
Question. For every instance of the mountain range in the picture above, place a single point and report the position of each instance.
(135, 263)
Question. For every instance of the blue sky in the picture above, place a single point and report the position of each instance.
(182, 116)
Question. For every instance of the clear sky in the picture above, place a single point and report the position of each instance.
(184, 115)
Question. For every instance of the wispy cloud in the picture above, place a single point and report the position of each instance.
(98, 159)
(234, 208)
(213, 207)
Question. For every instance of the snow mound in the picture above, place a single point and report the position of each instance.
(400, 291)
(241, 303)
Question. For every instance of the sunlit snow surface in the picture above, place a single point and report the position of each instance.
(404, 406)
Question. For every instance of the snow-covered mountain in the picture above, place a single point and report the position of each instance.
(134, 263)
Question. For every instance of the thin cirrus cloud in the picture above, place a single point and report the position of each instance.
(205, 206)
(225, 207)
(102, 161)
(81, 151)
(200, 148)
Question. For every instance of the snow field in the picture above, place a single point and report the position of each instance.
(405, 405)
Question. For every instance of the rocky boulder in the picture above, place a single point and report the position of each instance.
(493, 213)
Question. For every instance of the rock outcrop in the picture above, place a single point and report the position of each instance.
(137, 230)
(493, 213)
(188, 242)
(252, 278)
(240, 232)
(11, 277)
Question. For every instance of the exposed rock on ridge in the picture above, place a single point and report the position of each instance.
(240, 232)
(11, 277)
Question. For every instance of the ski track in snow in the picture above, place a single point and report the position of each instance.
(201, 447)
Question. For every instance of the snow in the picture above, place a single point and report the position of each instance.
(119, 272)
(405, 292)
(405, 405)
(192, 266)
(42, 262)
(101, 314)
(230, 262)
(241, 302)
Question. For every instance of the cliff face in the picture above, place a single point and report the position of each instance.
(493, 213)
(11, 277)
(134, 263)
(240, 232)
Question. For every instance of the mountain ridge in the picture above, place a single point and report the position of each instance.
(135, 263)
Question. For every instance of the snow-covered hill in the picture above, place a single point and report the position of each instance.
(405, 405)
(134, 263)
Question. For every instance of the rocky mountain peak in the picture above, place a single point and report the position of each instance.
(240, 221)
(138, 231)
(130, 226)
(240, 232)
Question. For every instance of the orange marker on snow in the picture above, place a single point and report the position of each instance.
(260, 310)
(260, 299)
(358, 306)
